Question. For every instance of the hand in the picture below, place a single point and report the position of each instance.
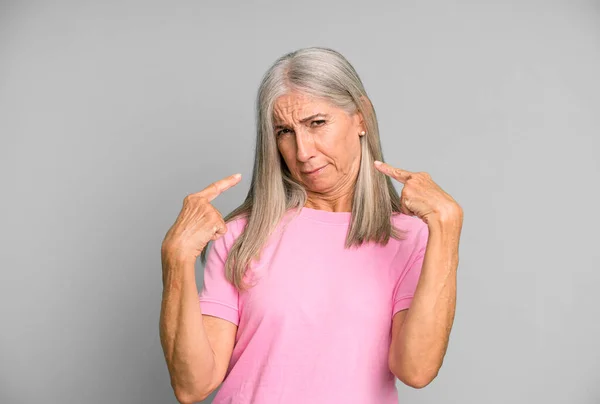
(198, 222)
(421, 196)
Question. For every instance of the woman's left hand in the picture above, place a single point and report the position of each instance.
(421, 196)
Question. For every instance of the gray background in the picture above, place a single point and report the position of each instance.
(112, 112)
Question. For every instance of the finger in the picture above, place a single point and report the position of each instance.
(218, 231)
(216, 188)
(217, 235)
(404, 208)
(406, 211)
(396, 173)
(221, 230)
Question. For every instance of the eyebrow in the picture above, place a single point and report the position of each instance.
(320, 114)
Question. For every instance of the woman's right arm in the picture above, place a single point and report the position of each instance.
(197, 348)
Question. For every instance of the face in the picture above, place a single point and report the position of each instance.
(313, 134)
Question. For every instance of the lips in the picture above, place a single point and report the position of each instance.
(313, 171)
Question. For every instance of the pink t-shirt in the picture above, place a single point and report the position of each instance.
(316, 327)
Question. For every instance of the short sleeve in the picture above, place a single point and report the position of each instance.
(406, 284)
(218, 297)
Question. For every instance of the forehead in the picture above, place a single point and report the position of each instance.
(295, 106)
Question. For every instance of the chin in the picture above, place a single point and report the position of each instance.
(320, 186)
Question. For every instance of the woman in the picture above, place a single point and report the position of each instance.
(308, 284)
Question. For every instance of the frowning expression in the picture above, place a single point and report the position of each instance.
(319, 142)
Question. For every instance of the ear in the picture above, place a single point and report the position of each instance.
(365, 106)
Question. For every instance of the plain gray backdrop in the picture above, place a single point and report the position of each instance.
(112, 112)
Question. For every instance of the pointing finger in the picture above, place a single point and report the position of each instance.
(216, 188)
(396, 173)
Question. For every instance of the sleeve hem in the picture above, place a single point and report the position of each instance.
(402, 304)
(221, 310)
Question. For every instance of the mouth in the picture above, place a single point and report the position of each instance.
(313, 172)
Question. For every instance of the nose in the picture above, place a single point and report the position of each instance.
(305, 146)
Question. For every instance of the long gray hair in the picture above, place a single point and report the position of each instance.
(323, 73)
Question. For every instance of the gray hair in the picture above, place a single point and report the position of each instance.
(326, 74)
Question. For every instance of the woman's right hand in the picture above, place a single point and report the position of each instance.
(198, 222)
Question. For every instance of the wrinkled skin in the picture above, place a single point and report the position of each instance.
(331, 140)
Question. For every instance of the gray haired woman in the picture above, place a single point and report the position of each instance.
(324, 285)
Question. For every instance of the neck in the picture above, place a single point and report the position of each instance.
(330, 205)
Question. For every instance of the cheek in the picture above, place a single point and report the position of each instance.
(343, 148)
(287, 154)
(352, 146)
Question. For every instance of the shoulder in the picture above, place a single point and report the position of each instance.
(409, 223)
(416, 230)
(235, 227)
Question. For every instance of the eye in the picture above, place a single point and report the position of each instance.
(281, 132)
(320, 122)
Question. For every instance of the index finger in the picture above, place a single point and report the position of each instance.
(216, 188)
(396, 173)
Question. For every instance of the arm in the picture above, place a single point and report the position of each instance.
(197, 348)
(420, 334)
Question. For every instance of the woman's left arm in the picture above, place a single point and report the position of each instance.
(420, 334)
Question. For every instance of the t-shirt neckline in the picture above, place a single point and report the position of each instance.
(325, 216)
